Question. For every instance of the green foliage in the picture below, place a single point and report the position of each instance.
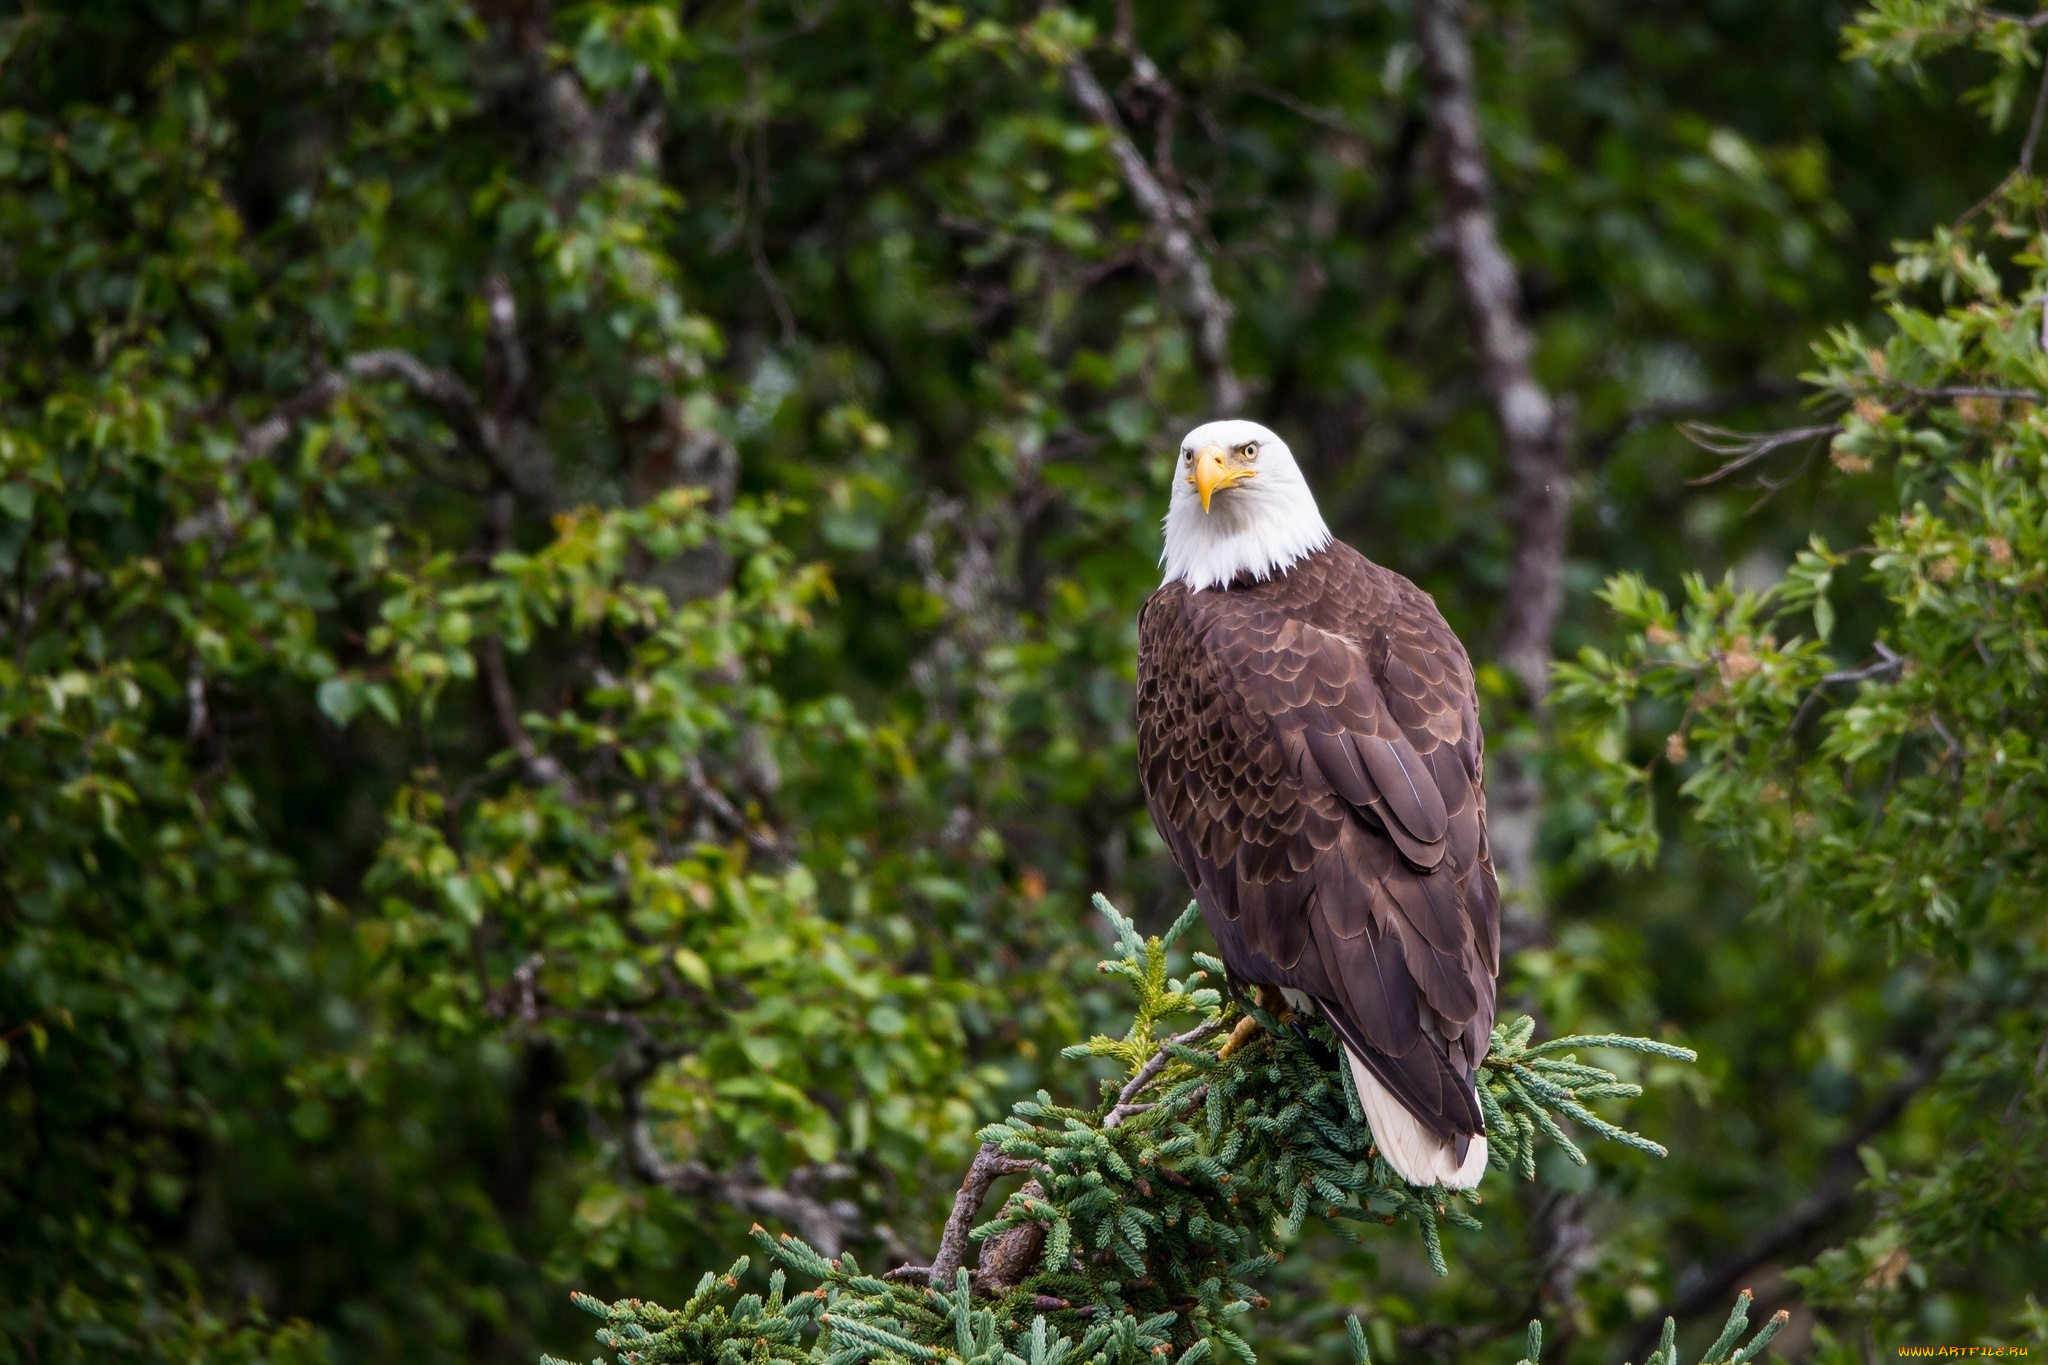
(290, 850)
(567, 908)
(1894, 794)
(877, 1320)
(1158, 1205)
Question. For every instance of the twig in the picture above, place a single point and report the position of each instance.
(1746, 446)
(1888, 662)
(1126, 1100)
(2026, 161)
(1322, 118)
(1955, 751)
(1597, 448)
(1172, 219)
(1974, 391)
(750, 156)
(2034, 124)
(541, 767)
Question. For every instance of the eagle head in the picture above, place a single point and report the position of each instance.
(1239, 506)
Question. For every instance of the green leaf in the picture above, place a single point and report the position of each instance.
(341, 699)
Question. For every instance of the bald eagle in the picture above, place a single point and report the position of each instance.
(1308, 739)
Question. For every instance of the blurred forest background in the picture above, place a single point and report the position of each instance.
(570, 574)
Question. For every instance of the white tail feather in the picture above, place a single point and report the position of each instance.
(1418, 1155)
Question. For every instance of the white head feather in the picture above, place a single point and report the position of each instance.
(1260, 527)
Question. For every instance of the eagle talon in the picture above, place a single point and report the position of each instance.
(1239, 1036)
(1273, 1003)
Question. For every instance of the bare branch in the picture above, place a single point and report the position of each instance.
(510, 448)
(1127, 1098)
(2034, 124)
(1746, 446)
(1322, 118)
(762, 840)
(270, 433)
(989, 1166)
(1889, 663)
(1531, 429)
(1598, 447)
(1976, 391)
(455, 400)
(1172, 219)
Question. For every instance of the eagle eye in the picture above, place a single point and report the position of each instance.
(1251, 450)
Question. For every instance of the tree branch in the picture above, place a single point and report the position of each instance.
(2034, 124)
(1531, 433)
(989, 1166)
(512, 451)
(1746, 447)
(826, 1223)
(1531, 430)
(270, 433)
(508, 447)
(1172, 219)
(541, 767)
(1522, 408)
(1597, 448)
(1127, 1098)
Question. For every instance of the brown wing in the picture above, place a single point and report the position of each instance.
(1320, 788)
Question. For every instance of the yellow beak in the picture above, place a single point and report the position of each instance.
(1213, 471)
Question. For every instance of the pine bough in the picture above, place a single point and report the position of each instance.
(1147, 1220)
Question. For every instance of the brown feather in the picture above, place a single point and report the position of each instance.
(1310, 750)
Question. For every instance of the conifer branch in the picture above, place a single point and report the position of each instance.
(989, 1165)
(1135, 1241)
(1126, 1099)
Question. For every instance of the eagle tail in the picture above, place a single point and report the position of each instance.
(1419, 1156)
